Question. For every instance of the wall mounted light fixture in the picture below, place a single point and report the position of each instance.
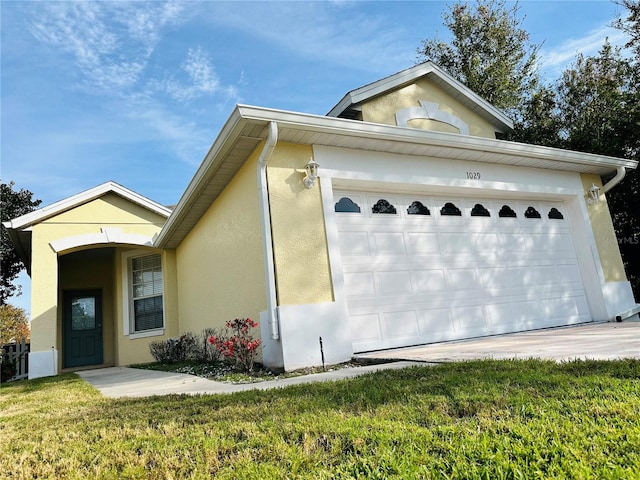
(593, 194)
(311, 173)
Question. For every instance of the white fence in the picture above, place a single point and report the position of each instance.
(15, 361)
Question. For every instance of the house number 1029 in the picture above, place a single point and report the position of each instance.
(473, 175)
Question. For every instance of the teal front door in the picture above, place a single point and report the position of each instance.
(82, 328)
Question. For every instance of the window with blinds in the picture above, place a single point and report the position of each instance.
(147, 291)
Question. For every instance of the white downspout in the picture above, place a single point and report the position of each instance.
(615, 180)
(265, 217)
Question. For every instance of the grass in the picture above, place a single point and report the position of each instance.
(472, 420)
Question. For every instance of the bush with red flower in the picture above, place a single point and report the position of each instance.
(237, 344)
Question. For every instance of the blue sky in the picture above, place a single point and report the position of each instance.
(137, 92)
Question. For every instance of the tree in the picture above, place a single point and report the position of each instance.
(599, 101)
(631, 24)
(14, 325)
(594, 98)
(12, 204)
(539, 121)
(490, 53)
(595, 107)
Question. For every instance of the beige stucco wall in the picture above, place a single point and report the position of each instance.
(220, 271)
(606, 240)
(299, 238)
(108, 211)
(383, 109)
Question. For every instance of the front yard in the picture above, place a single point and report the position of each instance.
(481, 419)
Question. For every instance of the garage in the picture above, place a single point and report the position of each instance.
(420, 269)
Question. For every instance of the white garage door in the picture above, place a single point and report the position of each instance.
(427, 269)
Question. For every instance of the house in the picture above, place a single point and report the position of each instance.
(399, 218)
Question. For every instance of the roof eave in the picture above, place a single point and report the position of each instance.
(342, 126)
(174, 231)
(41, 214)
(21, 240)
(199, 179)
(501, 121)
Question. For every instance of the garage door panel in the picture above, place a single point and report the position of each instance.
(428, 281)
(413, 279)
(462, 278)
(470, 320)
(400, 324)
(450, 285)
(550, 242)
(486, 242)
(423, 243)
(435, 321)
(354, 243)
(513, 242)
(365, 329)
(568, 274)
(393, 282)
(447, 298)
(499, 314)
(494, 277)
(359, 284)
(456, 243)
(561, 308)
(389, 243)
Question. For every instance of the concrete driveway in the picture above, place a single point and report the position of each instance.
(596, 341)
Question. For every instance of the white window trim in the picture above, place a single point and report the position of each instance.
(127, 297)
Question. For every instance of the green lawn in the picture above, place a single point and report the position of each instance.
(484, 419)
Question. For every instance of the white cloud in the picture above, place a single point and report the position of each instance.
(344, 33)
(112, 46)
(111, 42)
(201, 78)
(557, 59)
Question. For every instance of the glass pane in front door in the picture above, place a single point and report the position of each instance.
(83, 313)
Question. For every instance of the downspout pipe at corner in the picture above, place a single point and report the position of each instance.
(265, 218)
(615, 180)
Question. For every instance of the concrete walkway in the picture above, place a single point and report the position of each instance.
(595, 341)
(598, 341)
(118, 382)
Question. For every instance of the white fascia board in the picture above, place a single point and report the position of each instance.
(345, 127)
(473, 97)
(380, 86)
(61, 206)
(406, 76)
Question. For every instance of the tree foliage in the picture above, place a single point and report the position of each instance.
(490, 52)
(595, 98)
(12, 204)
(631, 24)
(14, 325)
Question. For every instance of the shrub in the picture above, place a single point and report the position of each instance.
(208, 353)
(172, 350)
(7, 367)
(186, 347)
(237, 344)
